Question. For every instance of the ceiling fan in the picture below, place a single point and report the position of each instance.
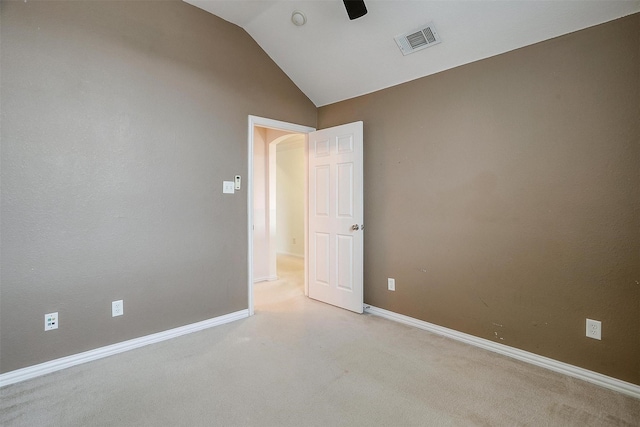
(355, 8)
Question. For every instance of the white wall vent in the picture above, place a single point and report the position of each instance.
(419, 39)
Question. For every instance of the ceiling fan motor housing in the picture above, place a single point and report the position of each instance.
(355, 8)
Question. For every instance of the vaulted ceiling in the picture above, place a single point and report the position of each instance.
(331, 58)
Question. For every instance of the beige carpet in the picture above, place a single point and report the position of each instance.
(299, 362)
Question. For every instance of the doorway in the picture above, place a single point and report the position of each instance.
(265, 135)
(287, 181)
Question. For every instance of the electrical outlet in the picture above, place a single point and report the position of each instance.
(117, 308)
(391, 284)
(51, 321)
(594, 329)
(228, 187)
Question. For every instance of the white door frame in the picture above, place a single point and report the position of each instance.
(289, 127)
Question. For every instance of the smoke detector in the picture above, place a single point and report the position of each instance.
(298, 18)
(421, 38)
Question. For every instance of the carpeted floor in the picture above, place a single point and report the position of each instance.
(299, 362)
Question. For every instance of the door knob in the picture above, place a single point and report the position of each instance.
(355, 227)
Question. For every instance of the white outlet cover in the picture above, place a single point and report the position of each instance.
(391, 284)
(594, 329)
(51, 321)
(117, 308)
(228, 187)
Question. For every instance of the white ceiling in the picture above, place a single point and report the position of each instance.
(331, 58)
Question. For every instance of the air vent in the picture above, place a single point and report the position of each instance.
(419, 39)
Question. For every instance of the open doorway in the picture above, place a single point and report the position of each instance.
(289, 184)
(277, 207)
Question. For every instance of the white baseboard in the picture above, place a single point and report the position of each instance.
(88, 356)
(265, 279)
(624, 387)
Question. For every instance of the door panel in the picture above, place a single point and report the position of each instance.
(345, 262)
(345, 190)
(336, 216)
(322, 258)
(322, 193)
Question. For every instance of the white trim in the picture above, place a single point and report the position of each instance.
(249, 186)
(98, 353)
(273, 124)
(306, 215)
(272, 207)
(278, 125)
(620, 386)
(265, 279)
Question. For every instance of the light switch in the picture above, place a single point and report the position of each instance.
(228, 187)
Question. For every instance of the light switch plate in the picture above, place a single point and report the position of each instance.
(228, 187)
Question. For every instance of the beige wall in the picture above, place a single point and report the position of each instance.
(504, 197)
(120, 120)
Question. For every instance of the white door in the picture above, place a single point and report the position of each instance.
(336, 216)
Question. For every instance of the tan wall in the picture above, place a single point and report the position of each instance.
(504, 197)
(120, 120)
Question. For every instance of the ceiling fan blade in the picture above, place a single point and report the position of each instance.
(355, 8)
